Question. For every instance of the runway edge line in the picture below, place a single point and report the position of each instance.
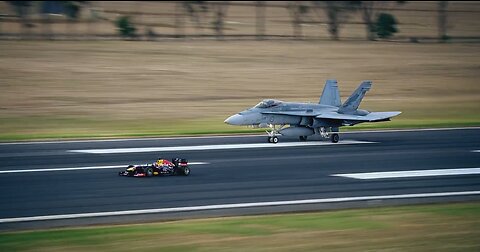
(233, 206)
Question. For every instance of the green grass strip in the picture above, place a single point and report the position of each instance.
(448, 227)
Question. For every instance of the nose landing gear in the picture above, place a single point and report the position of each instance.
(273, 139)
(272, 134)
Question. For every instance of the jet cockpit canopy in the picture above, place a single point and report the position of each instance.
(268, 103)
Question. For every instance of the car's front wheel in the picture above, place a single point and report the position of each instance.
(149, 172)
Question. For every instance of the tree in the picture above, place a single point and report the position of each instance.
(337, 13)
(370, 12)
(442, 21)
(196, 10)
(220, 12)
(260, 19)
(297, 10)
(72, 11)
(179, 19)
(22, 8)
(385, 26)
(125, 27)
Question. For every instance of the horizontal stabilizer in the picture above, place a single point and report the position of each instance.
(371, 117)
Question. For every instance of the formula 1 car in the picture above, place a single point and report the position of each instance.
(162, 167)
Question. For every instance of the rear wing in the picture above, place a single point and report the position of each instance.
(181, 161)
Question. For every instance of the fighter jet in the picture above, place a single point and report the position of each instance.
(301, 120)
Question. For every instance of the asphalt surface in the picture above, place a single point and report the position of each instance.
(229, 176)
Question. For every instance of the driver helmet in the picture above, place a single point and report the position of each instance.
(159, 162)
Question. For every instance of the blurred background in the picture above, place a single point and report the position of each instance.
(143, 68)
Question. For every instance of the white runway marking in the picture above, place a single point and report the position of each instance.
(229, 136)
(81, 168)
(215, 147)
(475, 150)
(409, 174)
(234, 206)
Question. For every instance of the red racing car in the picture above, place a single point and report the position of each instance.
(162, 167)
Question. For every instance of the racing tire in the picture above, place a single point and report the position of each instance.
(149, 172)
(186, 171)
(335, 138)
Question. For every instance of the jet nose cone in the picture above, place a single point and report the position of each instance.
(234, 120)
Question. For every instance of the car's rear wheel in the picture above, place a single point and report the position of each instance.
(186, 171)
(149, 172)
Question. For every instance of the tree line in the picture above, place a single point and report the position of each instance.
(379, 23)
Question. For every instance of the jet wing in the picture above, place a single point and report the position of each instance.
(371, 117)
(308, 112)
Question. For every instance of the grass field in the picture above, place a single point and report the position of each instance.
(116, 88)
(444, 227)
(82, 89)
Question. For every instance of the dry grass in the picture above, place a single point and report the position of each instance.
(80, 86)
(112, 88)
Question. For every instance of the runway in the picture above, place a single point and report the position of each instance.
(48, 184)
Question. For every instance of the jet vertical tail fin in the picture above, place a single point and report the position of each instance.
(352, 103)
(330, 95)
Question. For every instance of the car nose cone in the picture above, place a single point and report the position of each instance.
(234, 119)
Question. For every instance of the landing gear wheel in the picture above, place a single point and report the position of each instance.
(269, 139)
(335, 138)
(275, 139)
(303, 138)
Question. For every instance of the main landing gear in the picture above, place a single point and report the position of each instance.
(334, 137)
(327, 133)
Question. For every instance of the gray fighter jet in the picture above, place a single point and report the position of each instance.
(306, 119)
